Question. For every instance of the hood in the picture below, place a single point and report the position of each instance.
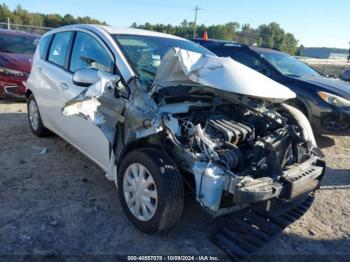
(19, 62)
(331, 85)
(181, 66)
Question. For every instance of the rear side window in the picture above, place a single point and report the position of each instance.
(59, 46)
(43, 44)
(89, 53)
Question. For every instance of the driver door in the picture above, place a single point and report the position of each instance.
(87, 52)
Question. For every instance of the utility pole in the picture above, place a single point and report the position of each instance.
(349, 54)
(8, 24)
(196, 9)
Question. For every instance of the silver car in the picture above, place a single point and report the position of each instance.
(157, 112)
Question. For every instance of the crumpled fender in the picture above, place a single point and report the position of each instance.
(304, 123)
(98, 105)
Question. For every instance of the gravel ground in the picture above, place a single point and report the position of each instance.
(60, 203)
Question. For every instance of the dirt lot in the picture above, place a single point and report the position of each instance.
(60, 203)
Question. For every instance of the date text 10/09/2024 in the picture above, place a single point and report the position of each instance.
(173, 258)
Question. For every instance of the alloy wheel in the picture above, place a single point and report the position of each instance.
(33, 114)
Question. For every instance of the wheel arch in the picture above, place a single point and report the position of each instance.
(301, 105)
(146, 142)
(28, 93)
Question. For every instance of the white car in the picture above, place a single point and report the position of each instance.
(156, 111)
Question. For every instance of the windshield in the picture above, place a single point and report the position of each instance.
(18, 44)
(145, 53)
(288, 65)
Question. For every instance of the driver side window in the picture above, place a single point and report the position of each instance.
(89, 53)
(251, 61)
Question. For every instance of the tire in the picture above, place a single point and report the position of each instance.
(34, 118)
(167, 184)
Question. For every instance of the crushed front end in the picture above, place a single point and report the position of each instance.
(224, 125)
(243, 152)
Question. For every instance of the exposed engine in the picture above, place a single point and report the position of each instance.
(241, 140)
(238, 149)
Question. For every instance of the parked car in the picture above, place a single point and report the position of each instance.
(16, 52)
(345, 75)
(155, 111)
(325, 101)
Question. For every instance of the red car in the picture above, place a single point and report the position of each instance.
(16, 52)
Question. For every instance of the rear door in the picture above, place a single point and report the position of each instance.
(52, 75)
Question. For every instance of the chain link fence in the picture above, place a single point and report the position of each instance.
(326, 66)
(26, 28)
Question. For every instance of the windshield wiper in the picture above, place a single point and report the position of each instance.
(148, 71)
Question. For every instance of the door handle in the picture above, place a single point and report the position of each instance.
(63, 85)
(40, 70)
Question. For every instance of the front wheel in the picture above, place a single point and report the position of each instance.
(151, 190)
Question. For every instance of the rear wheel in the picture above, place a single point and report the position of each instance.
(151, 190)
(35, 122)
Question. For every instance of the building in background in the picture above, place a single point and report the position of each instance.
(338, 56)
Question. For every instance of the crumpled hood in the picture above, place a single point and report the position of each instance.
(181, 66)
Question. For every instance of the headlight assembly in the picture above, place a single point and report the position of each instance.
(334, 100)
(11, 72)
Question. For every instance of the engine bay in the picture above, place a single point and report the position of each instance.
(241, 140)
(238, 149)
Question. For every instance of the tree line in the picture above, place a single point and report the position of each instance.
(24, 17)
(267, 35)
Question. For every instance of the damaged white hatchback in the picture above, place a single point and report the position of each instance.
(159, 114)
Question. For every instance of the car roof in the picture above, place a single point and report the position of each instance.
(217, 42)
(19, 33)
(117, 30)
(264, 50)
(134, 31)
(233, 44)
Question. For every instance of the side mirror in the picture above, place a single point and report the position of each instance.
(85, 77)
(345, 76)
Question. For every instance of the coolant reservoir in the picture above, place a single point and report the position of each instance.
(210, 182)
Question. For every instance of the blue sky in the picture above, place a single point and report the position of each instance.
(314, 23)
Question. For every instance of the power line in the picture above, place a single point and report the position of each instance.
(196, 9)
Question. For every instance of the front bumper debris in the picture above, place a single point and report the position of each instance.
(297, 181)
